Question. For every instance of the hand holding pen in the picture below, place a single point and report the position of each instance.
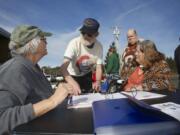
(62, 91)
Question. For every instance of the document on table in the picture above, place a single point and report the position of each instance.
(169, 108)
(140, 95)
(83, 101)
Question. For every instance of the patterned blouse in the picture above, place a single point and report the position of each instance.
(158, 77)
(129, 62)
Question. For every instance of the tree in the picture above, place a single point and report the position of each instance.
(55, 71)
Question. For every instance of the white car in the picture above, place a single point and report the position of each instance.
(59, 78)
(48, 77)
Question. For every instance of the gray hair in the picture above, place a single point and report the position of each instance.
(30, 47)
(133, 30)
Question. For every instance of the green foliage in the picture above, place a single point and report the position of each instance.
(55, 71)
(107, 55)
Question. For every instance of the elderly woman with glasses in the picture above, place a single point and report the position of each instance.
(153, 72)
(25, 93)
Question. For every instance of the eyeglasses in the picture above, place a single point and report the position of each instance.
(43, 39)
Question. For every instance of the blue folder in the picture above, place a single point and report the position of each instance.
(131, 117)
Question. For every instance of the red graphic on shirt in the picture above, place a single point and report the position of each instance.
(84, 64)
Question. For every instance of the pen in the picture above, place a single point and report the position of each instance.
(70, 101)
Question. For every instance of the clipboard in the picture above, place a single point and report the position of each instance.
(129, 116)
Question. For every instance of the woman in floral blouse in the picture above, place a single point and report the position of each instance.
(153, 72)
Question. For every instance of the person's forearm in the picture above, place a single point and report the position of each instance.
(98, 73)
(46, 105)
(63, 68)
(43, 107)
(66, 74)
(69, 78)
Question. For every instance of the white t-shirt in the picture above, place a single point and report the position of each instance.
(83, 59)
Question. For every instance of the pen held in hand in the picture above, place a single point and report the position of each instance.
(70, 101)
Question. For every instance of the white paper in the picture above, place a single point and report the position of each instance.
(83, 101)
(169, 108)
(140, 95)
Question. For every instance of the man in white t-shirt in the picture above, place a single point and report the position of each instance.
(84, 53)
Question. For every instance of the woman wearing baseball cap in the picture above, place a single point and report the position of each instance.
(25, 93)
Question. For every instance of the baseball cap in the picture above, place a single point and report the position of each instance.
(90, 26)
(22, 34)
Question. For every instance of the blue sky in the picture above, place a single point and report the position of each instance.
(157, 20)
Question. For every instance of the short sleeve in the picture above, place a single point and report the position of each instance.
(70, 50)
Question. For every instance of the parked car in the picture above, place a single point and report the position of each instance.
(59, 78)
(48, 77)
